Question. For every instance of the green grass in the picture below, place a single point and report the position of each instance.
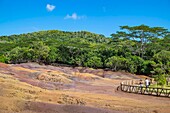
(158, 86)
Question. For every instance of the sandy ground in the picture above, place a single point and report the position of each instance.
(34, 88)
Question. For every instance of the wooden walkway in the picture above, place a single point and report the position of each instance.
(164, 92)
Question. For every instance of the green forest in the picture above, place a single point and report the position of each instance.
(136, 49)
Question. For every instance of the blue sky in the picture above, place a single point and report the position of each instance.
(98, 16)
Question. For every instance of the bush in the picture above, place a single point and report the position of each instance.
(161, 79)
(3, 59)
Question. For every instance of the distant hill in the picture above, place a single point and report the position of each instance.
(139, 49)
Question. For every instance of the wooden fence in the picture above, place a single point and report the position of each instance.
(131, 87)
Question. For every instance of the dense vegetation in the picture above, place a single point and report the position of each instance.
(137, 49)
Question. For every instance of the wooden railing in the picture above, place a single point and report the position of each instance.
(133, 88)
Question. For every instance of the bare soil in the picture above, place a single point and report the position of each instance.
(34, 88)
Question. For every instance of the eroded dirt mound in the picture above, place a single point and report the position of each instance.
(51, 77)
(76, 71)
(34, 88)
(2, 65)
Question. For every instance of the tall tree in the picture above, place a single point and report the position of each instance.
(143, 34)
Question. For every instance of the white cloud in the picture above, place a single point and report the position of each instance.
(50, 7)
(74, 16)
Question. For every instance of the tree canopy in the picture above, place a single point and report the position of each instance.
(136, 49)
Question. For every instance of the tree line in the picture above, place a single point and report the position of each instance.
(136, 49)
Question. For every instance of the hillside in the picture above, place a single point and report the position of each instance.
(135, 49)
(34, 88)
